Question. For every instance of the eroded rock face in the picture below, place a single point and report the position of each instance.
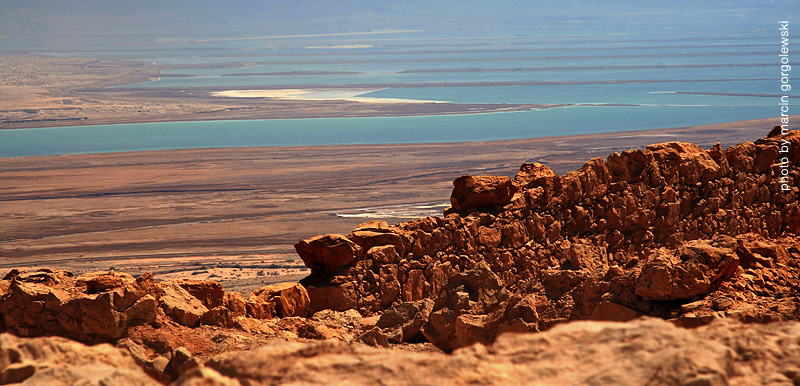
(532, 175)
(330, 296)
(580, 353)
(684, 163)
(149, 318)
(209, 293)
(464, 313)
(403, 322)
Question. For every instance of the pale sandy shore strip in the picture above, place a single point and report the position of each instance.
(353, 95)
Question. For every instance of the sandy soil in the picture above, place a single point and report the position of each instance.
(234, 214)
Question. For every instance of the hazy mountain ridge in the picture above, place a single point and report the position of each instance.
(204, 19)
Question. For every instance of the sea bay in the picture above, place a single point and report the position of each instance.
(602, 81)
(373, 130)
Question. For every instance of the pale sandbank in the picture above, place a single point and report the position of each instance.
(353, 95)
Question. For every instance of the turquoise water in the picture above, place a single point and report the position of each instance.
(744, 64)
(390, 69)
(378, 78)
(292, 132)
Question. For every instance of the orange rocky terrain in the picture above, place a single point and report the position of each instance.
(670, 265)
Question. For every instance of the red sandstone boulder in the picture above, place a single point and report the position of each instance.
(630, 166)
(740, 156)
(181, 306)
(594, 177)
(260, 310)
(489, 237)
(688, 271)
(384, 254)
(766, 156)
(685, 163)
(521, 315)
(327, 253)
(388, 284)
(368, 239)
(590, 180)
(584, 255)
(531, 175)
(232, 308)
(472, 192)
(290, 299)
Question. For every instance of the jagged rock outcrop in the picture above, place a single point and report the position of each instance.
(645, 231)
(181, 306)
(102, 306)
(327, 253)
(95, 307)
(157, 322)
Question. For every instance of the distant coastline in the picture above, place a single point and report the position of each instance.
(343, 131)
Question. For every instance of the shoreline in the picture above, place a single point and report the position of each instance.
(279, 108)
(655, 133)
(47, 92)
